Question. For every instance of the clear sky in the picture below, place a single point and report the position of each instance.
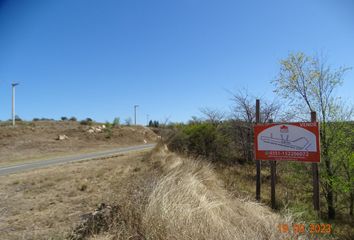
(97, 59)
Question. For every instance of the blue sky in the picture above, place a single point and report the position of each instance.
(98, 58)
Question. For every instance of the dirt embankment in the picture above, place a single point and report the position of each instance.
(33, 140)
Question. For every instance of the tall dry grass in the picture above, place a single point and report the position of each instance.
(181, 198)
(189, 202)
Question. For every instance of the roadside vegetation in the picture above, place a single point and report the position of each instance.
(305, 84)
(157, 195)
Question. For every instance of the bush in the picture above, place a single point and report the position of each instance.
(18, 119)
(201, 138)
(46, 119)
(178, 142)
(154, 123)
(128, 121)
(87, 121)
(206, 140)
(73, 119)
(195, 139)
(116, 121)
(64, 118)
(108, 132)
(35, 119)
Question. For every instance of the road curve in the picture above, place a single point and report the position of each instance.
(61, 160)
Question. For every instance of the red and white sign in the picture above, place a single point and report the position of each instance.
(287, 142)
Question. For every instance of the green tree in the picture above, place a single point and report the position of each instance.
(341, 135)
(311, 81)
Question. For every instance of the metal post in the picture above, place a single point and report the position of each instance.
(258, 162)
(315, 178)
(135, 106)
(13, 103)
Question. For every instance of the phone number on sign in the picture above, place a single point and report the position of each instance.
(288, 154)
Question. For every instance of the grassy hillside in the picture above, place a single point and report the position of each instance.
(39, 139)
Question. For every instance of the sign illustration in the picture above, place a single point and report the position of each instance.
(287, 141)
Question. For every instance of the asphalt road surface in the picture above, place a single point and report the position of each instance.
(61, 160)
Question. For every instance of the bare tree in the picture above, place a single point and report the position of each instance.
(194, 120)
(166, 121)
(244, 108)
(243, 113)
(213, 116)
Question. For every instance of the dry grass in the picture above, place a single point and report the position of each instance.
(190, 202)
(293, 193)
(48, 203)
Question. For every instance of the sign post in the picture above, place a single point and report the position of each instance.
(273, 173)
(258, 162)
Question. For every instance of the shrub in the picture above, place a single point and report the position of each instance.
(35, 119)
(195, 139)
(206, 140)
(178, 142)
(46, 119)
(108, 124)
(154, 123)
(73, 119)
(116, 121)
(108, 132)
(201, 138)
(128, 121)
(64, 118)
(18, 119)
(87, 121)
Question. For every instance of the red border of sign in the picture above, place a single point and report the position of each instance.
(302, 156)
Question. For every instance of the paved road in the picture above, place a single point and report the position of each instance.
(61, 160)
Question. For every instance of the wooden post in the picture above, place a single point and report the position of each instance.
(272, 179)
(315, 178)
(272, 182)
(258, 162)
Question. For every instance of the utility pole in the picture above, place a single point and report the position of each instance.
(13, 103)
(135, 107)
